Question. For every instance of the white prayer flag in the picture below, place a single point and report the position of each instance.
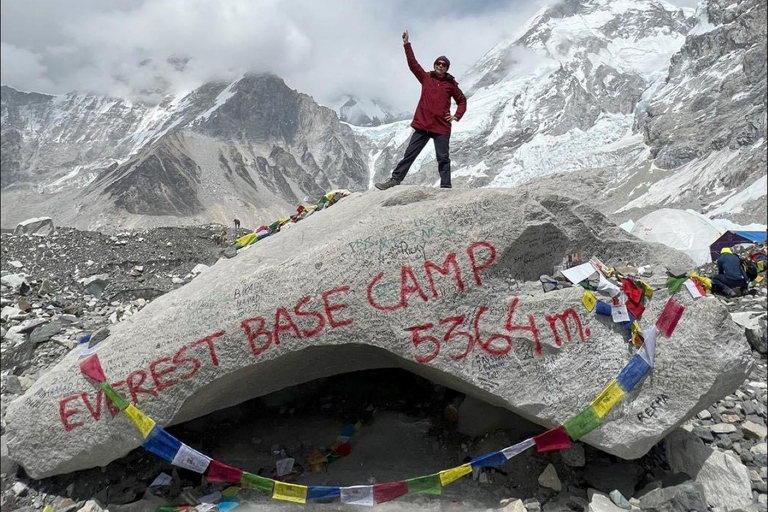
(358, 495)
(648, 350)
(214, 497)
(161, 480)
(191, 459)
(86, 351)
(518, 448)
(694, 290)
(284, 466)
(619, 314)
(579, 273)
(205, 507)
(605, 286)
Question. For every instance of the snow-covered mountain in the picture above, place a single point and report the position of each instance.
(252, 149)
(656, 104)
(366, 112)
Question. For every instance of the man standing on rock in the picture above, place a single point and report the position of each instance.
(432, 119)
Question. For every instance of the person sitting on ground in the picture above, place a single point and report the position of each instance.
(730, 280)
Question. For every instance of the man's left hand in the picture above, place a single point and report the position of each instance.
(449, 118)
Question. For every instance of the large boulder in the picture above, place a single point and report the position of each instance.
(421, 279)
(35, 226)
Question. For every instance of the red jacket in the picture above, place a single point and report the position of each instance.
(435, 101)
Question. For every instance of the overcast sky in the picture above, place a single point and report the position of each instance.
(324, 48)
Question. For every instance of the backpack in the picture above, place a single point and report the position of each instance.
(749, 268)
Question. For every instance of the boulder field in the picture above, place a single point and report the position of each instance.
(443, 283)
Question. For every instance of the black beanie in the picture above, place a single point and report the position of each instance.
(444, 58)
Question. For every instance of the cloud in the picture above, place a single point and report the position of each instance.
(20, 66)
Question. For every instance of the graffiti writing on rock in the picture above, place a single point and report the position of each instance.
(649, 412)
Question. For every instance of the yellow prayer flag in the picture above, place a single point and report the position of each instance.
(705, 281)
(144, 424)
(48, 508)
(290, 492)
(647, 290)
(451, 475)
(608, 398)
(230, 492)
(589, 300)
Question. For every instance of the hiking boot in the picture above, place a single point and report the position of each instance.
(384, 185)
(729, 292)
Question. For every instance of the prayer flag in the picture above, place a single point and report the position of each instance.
(489, 459)
(694, 288)
(648, 350)
(607, 287)
(290, 492)
(91, 367)
(231, 492)
(705, 282)
(602, 308)
(226, 506)
(647, 289)
(257, 482)
(117, 400)
(633, 291)
(632, 373)
(582, 424)
(357, 495)
(144, 424)
(518, 448)
(669, 317)
(218, 472)
(607, 398)
(162, 444)
(389, 491)
(322, 493)
(636, 309)
(620, 313)
(589, 300)
(348, 431)
(579, 273)
(449, 476)
(191, 459)
(429, 484)
(674, 283)
(553, 439)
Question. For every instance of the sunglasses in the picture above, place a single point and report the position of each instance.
(441, 64)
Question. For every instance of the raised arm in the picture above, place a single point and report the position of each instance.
(416, 68)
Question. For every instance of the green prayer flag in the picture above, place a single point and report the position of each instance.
(257, 482)
(674, 284)
(116, 399)
(582, 424)
(429, 484)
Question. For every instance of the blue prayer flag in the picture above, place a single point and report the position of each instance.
(602, 308)
(322, 493)
(632, 373)
(348, 431)
(489, 459)
(161, 443)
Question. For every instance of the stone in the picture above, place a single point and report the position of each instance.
(619, 500)
(213, 327)
(549, 479)
(20, 489)
(95, 284)
(574, 456)
(91, 506)
(41, 226)
(758, 453)
(45, 332)
(514, 506)
(723, 428)
(7, 465)
(199, 268)
(16, 282)
(753, 430)
(684, 497)
(46, 288)
(723, 477)
(754, 324)
(599, 502)
(704, 415)
(177, 280)
(730, 418)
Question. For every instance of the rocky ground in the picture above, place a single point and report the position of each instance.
(60, 288)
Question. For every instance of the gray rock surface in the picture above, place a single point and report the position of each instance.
(35, 226)
(723, 477)
(684, 497)
(368, 243)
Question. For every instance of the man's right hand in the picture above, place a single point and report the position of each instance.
(405, 37)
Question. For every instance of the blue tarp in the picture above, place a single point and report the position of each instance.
(731, 238)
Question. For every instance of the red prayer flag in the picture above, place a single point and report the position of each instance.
(634, 292)
(389, 491)
(553, 439)
(218, 472)
(669, 317)
(91, 367)
(343, 449)
(636, 309)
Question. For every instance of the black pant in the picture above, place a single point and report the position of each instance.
(419, 139)
(719, 281)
